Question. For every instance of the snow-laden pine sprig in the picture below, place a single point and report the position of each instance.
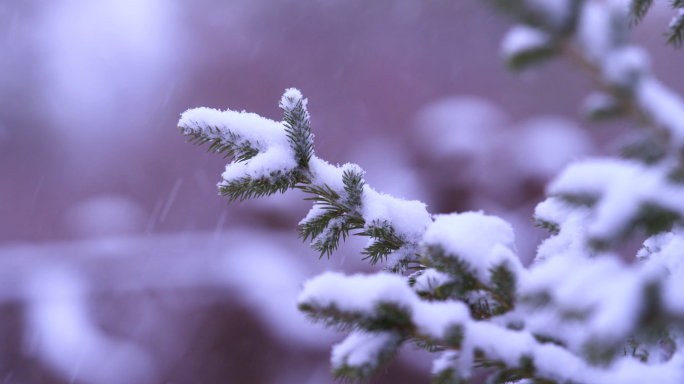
(675, 32)
(297, 126)
(231, 145)
(638, 9)
(269, 157)
(338, 213)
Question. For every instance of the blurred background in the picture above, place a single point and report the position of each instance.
(119, 263)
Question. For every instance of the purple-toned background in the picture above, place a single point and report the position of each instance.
(118, 261)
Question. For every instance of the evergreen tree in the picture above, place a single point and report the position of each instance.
(453, 283)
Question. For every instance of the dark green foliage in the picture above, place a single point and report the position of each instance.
(234, 146)
(654, 320)
(515, 325)
(575, 315)
(386, 316)
(427, 345)
(442, 292)
(317, 225)
(654, 219)
(503, 282)
(479, 309)
(407, 263)
(331, 316)
(543, 339)
(534, 16)
(460, 271)
(599, 354)
(463, 280)
(509, 375)
(341, 213)
(329, 240)
(675, 32)
(390, 316)
(353, 186)
(579, 200)
(528, 58)
(453, 336)
(536, 301)
(632, 349)
(448, 376)
(247, 187)
(599, 244)
(366, 371)
(648, 151)
(548, 225)
(677, 175)
(604, 112)
(298, 130)
(638, 9)
(652, 309)
(386, 241)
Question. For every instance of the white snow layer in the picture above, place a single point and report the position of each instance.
(409, 218)
(571, 221)
(362, 348)
(291, 97)
(275, 153)
(522, 38)
(606, 290)
(621, 188)
(482, 241)
(361, 294)
(429, 279)
(628, 66)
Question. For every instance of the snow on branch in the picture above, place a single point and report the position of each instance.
(269, 157)
(263, 162)
(624, 195)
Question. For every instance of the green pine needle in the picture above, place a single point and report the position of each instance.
(386, 241)
(298, 129)
(503, 283)
(638, 10)
(341, 213)
(675, 32)
(246, 187)
(228, 143)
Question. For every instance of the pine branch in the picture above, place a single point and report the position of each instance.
(675, 32)
(386, 242)
(638, 9)
(460, 271)
(553, 228)
(329, 239)
(353, 185)
(648, 151)
(503, 288)
(232, 144)
(340, 217)
(346, 364)
(297, 126)
(247, 187)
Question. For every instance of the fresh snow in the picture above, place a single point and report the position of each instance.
(522, 39)
(482, 241)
